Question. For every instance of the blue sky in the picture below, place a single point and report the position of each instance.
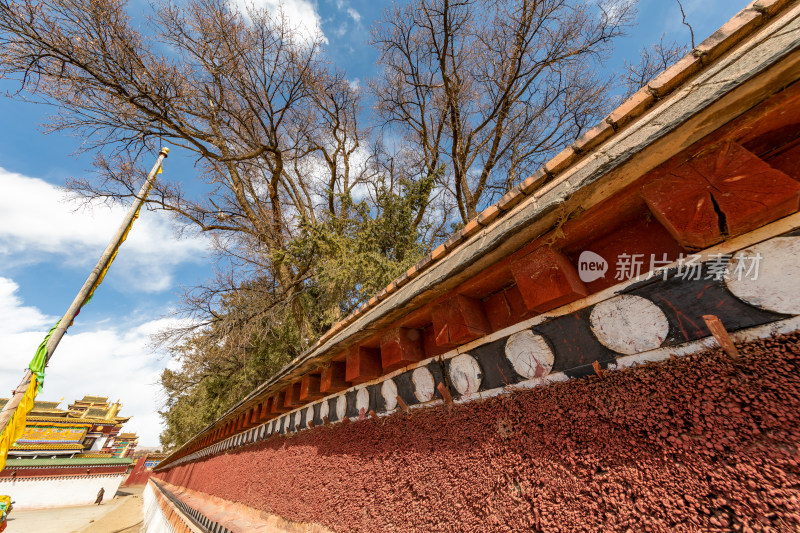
(47, 248)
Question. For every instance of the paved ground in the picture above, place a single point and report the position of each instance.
(122, 514)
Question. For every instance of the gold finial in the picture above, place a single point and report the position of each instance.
(112, 412)
(165, 151)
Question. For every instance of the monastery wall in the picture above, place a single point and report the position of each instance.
(552, 365)
(689, 443)
(155, 517)
(669, 433)
(142, 470)
(59, 491)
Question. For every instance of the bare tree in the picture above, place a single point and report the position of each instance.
(653, 60)
(485, 90)
(273, 129)
(685, 23)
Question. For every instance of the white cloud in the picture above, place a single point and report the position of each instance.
(15, 317)
(343, 5)
(108, 360)
(316, 170)
(614, 9)
(356, 16)
(301, 15)
(37, 221)
(341, 30)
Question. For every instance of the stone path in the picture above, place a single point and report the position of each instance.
(122, 514)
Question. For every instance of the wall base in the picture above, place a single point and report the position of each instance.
(49, 492)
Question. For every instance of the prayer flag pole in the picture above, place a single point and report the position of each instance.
(27, 388)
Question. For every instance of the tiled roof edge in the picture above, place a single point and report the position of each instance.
(702, 56)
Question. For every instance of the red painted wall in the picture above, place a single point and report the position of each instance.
(694, 443)
(139, 475)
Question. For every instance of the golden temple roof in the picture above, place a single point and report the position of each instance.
(54, 412)
(99, 413)
(77, 421)
(94, 399)
(38, 404)
(48, 446)
(62, 420)
(92, 410)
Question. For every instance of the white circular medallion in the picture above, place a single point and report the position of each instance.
(362, 400)
(465, 374)
(323, 410)
(423, 384)
(389, 393)
(529, 354)
(767, 275)
(629, 324)
(341, 406)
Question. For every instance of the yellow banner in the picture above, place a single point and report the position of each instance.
(16, 426)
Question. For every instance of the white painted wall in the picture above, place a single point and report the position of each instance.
(41, 493)
(154, 519)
